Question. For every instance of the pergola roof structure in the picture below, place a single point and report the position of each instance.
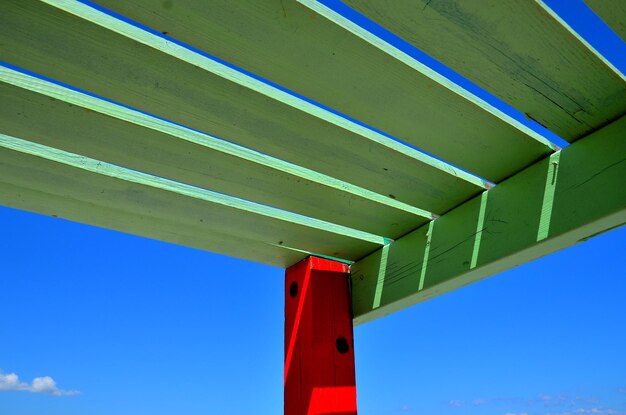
(274, 130)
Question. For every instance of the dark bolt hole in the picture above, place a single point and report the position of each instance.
(293, 289)
(342, 345)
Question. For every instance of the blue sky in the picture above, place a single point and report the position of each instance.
(127, 325)
(143, 327)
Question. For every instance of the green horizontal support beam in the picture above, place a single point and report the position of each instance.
(562, 200)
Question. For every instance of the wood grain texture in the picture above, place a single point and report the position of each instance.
(558, 202)
(53, 43)
(514, 50)
(84, 131)
(557, 17)
(288, 44)
(613, 12)
(140, 222)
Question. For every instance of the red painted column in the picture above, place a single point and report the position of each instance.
(319, 354)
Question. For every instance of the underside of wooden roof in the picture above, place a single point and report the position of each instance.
(277, 129)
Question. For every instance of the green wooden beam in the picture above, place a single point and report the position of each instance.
(42, 168)
(189, 156)
(562, 200)
(515, 50)
(68, 49)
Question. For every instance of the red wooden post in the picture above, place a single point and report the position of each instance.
(319, 354)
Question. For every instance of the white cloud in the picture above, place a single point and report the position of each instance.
(9, 382)
(521, 413)
(45, 384)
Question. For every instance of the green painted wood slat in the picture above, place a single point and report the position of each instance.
(136, 220)
(514, 50)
